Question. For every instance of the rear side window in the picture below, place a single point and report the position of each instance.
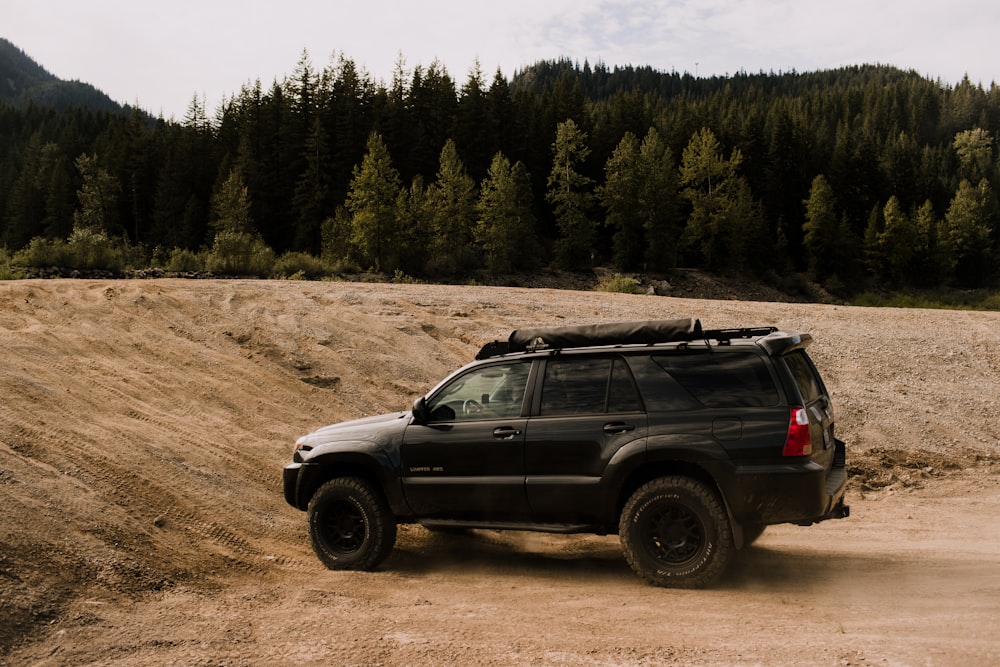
(809, 384)
(587, 385)
(722, 379)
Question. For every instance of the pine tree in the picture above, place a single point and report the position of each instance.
(500, 114)
(26, 202)
(966, 234)
(231, 207)
(311, 198)
(724, 219)
(336, 247)
(874, 261)
(832, 249)
(349, 120)
(974, 149)
(897, 244)
(433, 103)
(821, 230)
(413, 215)
(452, 201)
(569, 193)
(371, 200)
(619, 196)
(659, 202)
(472, 128)
(98, 196)
(929, 261)
(506, 226)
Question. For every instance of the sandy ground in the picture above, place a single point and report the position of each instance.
(144, 424)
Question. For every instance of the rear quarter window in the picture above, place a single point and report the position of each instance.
(722, 379)
(805, 376)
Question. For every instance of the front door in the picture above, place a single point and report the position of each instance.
(467, 461)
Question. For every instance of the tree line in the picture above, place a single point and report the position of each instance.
(853, 176)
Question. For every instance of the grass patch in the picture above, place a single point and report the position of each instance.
(940, 299)
(300, 266)
(619, 283)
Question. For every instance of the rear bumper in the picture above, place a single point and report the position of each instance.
(801, 493)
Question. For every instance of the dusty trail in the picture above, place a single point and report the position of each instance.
(143, 426)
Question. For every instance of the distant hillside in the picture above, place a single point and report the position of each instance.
(22, 80)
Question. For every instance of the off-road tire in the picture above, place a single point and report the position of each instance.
(351, 525)
(675, 532)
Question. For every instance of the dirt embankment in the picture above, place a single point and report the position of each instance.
(143, 426)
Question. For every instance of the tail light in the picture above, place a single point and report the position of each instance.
(798, 442)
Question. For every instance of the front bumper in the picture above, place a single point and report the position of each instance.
(290, 481)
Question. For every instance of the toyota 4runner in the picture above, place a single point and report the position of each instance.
(686, 442)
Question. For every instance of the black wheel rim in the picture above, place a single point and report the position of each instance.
(673, 534)
(344, 528)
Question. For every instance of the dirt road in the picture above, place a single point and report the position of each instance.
(143, 426)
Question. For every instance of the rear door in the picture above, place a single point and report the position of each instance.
(588, 408)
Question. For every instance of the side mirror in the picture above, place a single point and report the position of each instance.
(420, 413)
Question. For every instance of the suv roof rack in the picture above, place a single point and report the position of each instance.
(647, 332)
(724, 336)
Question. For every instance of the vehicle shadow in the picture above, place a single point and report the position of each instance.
(787, 568)
(423, 552)
(508, 552)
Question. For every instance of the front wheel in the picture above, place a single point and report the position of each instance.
(675, 532)
(350, 525)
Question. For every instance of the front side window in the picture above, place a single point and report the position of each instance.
(588, 386)
(487, 392)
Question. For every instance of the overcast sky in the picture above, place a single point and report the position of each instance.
(160, 55)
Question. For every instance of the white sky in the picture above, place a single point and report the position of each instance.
(160, 55)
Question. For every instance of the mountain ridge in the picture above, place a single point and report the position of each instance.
(24, 81)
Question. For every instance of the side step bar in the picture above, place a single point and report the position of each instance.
(561, 528)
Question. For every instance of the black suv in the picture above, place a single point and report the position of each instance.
(686, 442)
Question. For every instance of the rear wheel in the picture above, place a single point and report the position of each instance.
(351, 525)
(675, 532)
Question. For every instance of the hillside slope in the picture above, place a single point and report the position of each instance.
(24, 81)
(144, 423)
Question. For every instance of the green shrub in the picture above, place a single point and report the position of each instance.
(619, 283)
(345, 265)
(7, 270)
(402, 278)
(42, 253)
(91, 250)
(299, 266)
(85, 250)
(182, 260)
(237, 254)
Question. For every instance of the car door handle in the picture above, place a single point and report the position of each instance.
(506, 433)
(615, 428)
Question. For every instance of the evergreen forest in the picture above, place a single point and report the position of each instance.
(854, 177)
